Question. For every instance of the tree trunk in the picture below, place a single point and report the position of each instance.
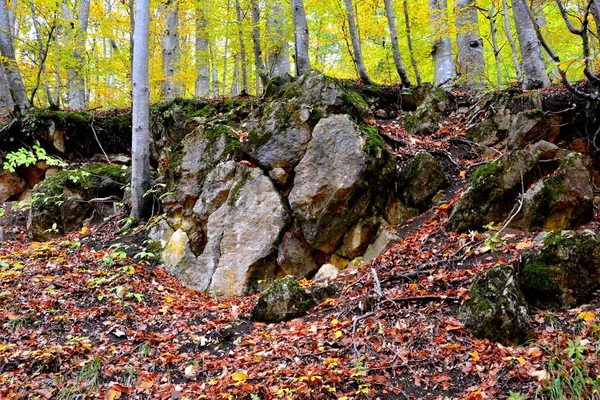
(224, 85)
(496, 48)
(300, 37)
(235, 81)
(278, 56)
(471, 64)
(357, 56)
(511, 41)
(259, 64)
(76, 81)
(202, 87)
(242, 55)
(389, 11)
(413, 60)
(140, 149)
(443, 61)
(533, 64)
(595, 10)
(170, 50)
(5, 99)
(11, 69)
(41, 57)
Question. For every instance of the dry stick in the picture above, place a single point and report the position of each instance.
(367, 315)
(98, 140)
(425, 298)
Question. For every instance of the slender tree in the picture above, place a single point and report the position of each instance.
(242, 54)
(511, 40)
(170, 49)
(9, 62)
(444, 69)
(77, 100)
(531, 53)
(259, 63)
(389, 11)
(278, 54)
(411, 50)
(471, 64)
(140, 149)
(300, 37)
(357, 56)
(202, 86)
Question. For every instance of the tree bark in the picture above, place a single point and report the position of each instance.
(531, 53)
(76, 81)
(413, 60)
(11, 69)
(444, 69)
(242, 55)
(511, 41)
(389, 11)
(5, 98)
(202, 87)
(140, 150)
(357, 56)
(170, 50)
(301, 37)
(595, 10)
(494, 33)
(259, 64)
(278, 56)
(471, 64)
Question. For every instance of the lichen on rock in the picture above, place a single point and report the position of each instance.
(283, 301)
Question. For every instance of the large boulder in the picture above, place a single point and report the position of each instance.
(496, 309)
(492, 191)
(528, 126)
(241, 239)
(564, 272)
(385, 241)
(420, 180)
(295, 256)
(560, 201)
(283, 301)
(11, 184)
(60, 203)
(292, 109)
(347, 170)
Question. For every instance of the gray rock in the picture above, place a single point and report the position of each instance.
(295, 256)
(436, 104)
(485, 132)
(559, 201)
(564, 272)
(496, 309)
(396, 212)
(533, 125)
(544, 150)
(422, 178)
(492, 191)
(359, 237)
(283, 301)
(386, 240)
(326, 272)
(344, 173)
(279, 177)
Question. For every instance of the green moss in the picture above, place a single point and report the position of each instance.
(173, 169)
(374, 144)
(234, 193)
(534, 114)
(203, 112)
(537, 279)
(355, 105)
(316, 114)
(553, 238)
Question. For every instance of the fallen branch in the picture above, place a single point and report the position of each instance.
(424, 298)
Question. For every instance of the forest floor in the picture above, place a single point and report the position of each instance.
(89, 316)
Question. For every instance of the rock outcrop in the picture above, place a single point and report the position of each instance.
(420, 180)
(283, 301)
(496, 309)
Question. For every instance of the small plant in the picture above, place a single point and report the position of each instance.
(493, 240)
(52, 229)
(91, 372)
(515, 396)
(144, 350)
(25, 157)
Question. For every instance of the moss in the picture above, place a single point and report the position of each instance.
(316, 114)
(355, 105)
(488, 178)
(534, 114)
(234, 193)
(374, 144)
(173, 169)
(203, 112)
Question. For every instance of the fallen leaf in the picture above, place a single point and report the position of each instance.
(523, 245)
(239, 376)
(587, 316)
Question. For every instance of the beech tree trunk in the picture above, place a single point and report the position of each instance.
(511, 41)
(11, 69)
(77, 99)
(202, 87)
(259, 64)
(300, 37)
(494, 32)
(357, 56)
(5, 98)
(444, 69)
(413, 60)
(278, 56)
(242, 53)
(531, 53)
(140, 149)
(389, 11)
(170, 50)
(595, 10)
(471, 64)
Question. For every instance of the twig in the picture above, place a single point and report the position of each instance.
(425, 298)
(376, 283)
(98, 140)
(367, 315)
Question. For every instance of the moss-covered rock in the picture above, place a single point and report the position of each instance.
(435, 106)
(560, 201)
(422, 178)
(564, 272)
(60, 202)
(492, 191)
(283, 301)
(496, 309)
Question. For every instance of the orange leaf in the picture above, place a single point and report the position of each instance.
(523, 245)
(112, 394)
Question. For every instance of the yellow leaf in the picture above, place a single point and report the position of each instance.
(463, 174)
(168, 299)
(239, 376)
(257, 359)
(521, 360)
(84, 230)
(523, 245)
(338, 334)
(112, 394)
(334, 322)
(587, 316)
(474, 354)
(213, 382)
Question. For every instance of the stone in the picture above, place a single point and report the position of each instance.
(396, 212)
(532, 125)
(279, 177)
(560, 201)
(496, 309)
(295, 256)
(386, 240)
(485, 132)
(325, 291)
(544, 150)
(492, 191)
(564, 272)
(326, 272)
(381, 114)
(283, 301)
(339, 262)
(420, 180)
(34, 174)
(11, 184)
(345, 173)
(359, 237)
(435, 105)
